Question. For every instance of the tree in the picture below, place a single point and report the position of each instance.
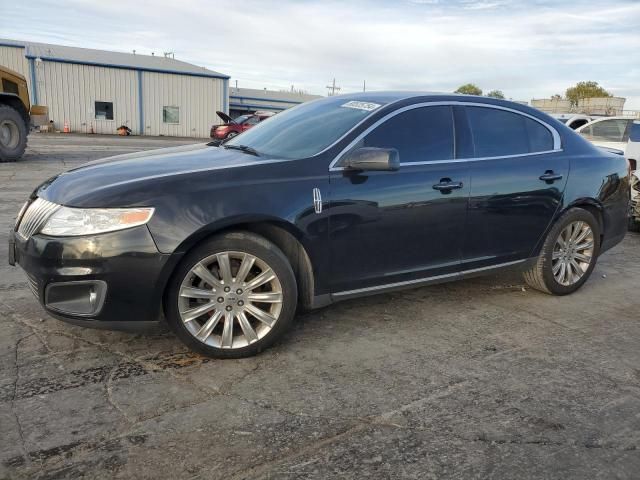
(469, 89)
(496, 94)
(557, 96)
(585, 90)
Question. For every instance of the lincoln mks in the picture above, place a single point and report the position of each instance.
(334, 199)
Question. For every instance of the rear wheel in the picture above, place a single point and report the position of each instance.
(13, 134)
(232, 296)
(568, 256)
(231, 135)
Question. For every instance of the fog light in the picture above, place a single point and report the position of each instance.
(83, 298)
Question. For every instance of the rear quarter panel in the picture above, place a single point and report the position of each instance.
(601, 180)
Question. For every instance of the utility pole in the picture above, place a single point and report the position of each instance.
(364, 85)
(333, 88)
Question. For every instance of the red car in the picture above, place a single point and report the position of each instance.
(233, 127)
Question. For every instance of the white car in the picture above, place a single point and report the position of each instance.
(609, 132)
(572, 120)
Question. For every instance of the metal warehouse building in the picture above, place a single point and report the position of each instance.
(247, 100)
(98, 91)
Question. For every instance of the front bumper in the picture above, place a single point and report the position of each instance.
(123, 273)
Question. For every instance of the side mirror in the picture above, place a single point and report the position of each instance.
(370, 158)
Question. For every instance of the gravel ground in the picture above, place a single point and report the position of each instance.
(477, 379)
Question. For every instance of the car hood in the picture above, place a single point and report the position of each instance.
(89, 184)
(225, 118)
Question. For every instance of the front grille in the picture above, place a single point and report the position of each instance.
(33, 285)
(35, 216)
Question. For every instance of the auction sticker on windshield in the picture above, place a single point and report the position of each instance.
(368, 106)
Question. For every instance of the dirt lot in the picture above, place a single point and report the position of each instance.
(476, 379)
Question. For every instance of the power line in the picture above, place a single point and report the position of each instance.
(333, 88)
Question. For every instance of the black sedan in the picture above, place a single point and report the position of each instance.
(333, 199)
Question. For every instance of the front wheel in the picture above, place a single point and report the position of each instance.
(568, 256)
(232, 296)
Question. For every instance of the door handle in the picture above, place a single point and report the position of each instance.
(550, 177)
(446, 185)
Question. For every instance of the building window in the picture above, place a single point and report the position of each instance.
(171, 114)
(104, 110)
(9, 87)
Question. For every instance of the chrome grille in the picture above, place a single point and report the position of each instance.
(35, 216)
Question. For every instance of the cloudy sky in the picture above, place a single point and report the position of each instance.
(528, 49)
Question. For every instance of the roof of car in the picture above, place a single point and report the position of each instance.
(389, 97)
(599, 119)
(398, 95)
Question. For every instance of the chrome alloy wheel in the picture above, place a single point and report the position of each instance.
(230, 300)
(572, 253)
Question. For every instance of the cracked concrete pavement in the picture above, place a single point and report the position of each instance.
(477, 379)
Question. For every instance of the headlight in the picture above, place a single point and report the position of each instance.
(67, 221)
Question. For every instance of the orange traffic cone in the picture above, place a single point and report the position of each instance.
(67, 127)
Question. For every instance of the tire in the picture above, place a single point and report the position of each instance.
(634, 225)
(13, 134)
(541, 274)
(221, 305)
(230, 135)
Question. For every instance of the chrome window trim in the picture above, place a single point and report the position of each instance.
(424, 279)
(557, 143)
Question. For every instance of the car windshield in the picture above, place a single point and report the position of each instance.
(241, 118)
(305, 130)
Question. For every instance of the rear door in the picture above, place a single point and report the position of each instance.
(518, 175)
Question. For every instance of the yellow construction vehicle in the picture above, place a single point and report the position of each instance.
(14, 115)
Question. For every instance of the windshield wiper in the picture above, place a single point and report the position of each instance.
(243, 148)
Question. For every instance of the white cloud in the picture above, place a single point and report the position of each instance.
(525, 49)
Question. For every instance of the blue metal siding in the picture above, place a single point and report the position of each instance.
(265, 99)
(34, 82)
(140, 104)
(225, 96)
(249, 106)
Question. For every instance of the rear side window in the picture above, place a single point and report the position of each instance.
(498, 133)
(420, 134)
(608, 130)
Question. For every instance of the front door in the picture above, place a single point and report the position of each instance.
(395, 227)
(517, 181)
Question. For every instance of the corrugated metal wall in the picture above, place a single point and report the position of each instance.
(70, 91)
(197, 97)
(13, 58)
